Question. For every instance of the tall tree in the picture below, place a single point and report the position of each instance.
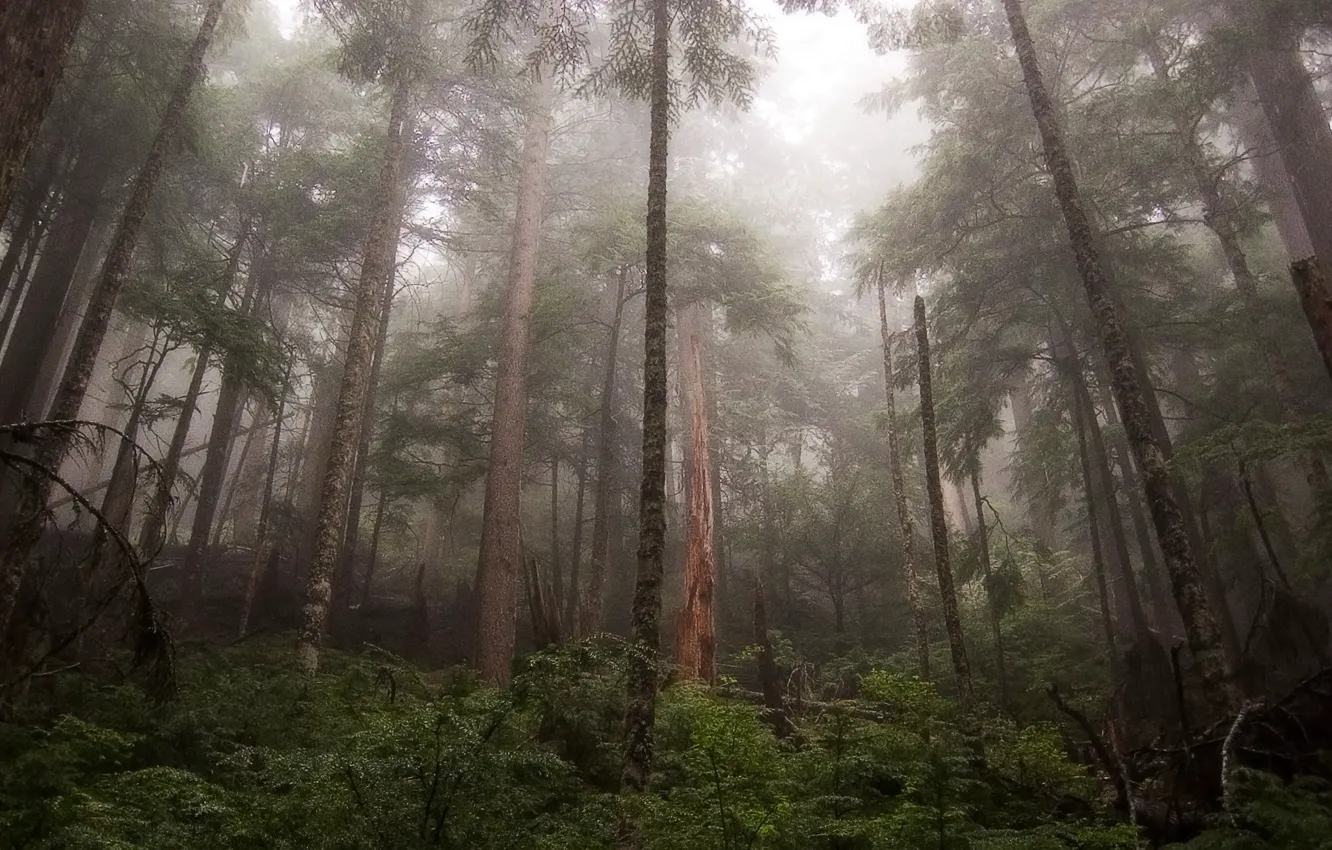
(501, 552)
(905, 523)
(640, 716)
(97, 318)
(1200, 623)
(35, 37)
(380, 249)
(938, 519)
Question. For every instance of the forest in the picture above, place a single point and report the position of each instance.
(665, 424)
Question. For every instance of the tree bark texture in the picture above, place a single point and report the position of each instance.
(640, 714)
(590, 605)
(1097, 549)
(35, 38)
(499, 558)
(938, 519)
(1200, 623)
(30, 517)
(695, 634)
(377, 264)
(905, 524)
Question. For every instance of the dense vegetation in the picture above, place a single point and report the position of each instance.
(484, 424)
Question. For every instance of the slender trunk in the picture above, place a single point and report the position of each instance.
(589, 610)
(1204, 635)
(1260, 523)
(118, 503)
(35, 38)
(381, 505)
(1040, 515)
(938, 520)
(1132, 602)
(377, 265)
(556, 565)
(150, 537)
(640, 714)
(212, 478)
(774, 701)
(1249, 121)
(695, 635)
(97, 318)
(1094, 535)
(21, 289)
(24, 238)
(996, 625)
(499, 557)
(906, 525)
(1162, 612)
(261, 545)
(342, 586)
(39, 313)
(1312, 288)
(968, 526)
(231, 481)
(569, 602)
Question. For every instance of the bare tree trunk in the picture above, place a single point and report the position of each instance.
(380, 248)
(118, 502)
(115, 271)
(499, 556)
(938, 520)
(1200, 623)
(35, 37)
(996, 620)
(556, 563)
(589, 609)
(21, 289)
(695, 633)
(640, 714)
(905, 524)
(381, 505)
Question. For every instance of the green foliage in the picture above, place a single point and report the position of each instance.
(378, 755)
(1272, 815)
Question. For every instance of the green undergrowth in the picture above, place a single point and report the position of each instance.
(375, 754)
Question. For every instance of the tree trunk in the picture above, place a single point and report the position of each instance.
(97, 318)
(1097, 551)
(1163, 613)
(556, 563)
(377, 265)
(40, 312)
(938, 520)
(774, 701)
(1251, 124)
(35, 37)
(499, 556)
(24, 237)
(1132, 601)
(695, 633)
(1312, 288)
(589, 609)
(381, 505)
(640, 714)
(21, 289)
(569, 602)
(342, 586)
(906, 525)
(1298, 123)
(996, 624)
(1200, 623)
(261, 546)
(118, 502)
